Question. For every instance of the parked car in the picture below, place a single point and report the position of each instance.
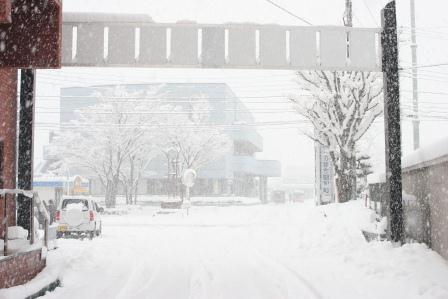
(297, 196)
(78, 216)
(278, 196)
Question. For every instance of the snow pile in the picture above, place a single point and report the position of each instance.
(14, 246)
(242, 251)
(116, 211)
(171, 199)
(225, 200)
(17, 232)
(123, 208)
(426, 154)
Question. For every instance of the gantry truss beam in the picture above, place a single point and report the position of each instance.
(136, 41)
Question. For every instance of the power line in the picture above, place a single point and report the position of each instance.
(370, 12)
(277, 125)
(429, 106)
(99, 126)
(88, 82)
(428, 74)
(180, 98)
(428, 92)
(427, 78)
(93, 75)
(424, 32)
(288, 12)
(427, 27)
(425, 66)
(435, 72)
(238, 112)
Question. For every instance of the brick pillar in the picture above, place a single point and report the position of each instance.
(8, 135)
(5, 11)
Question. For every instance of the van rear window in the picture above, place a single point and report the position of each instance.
(73, 202)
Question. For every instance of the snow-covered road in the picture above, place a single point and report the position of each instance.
(261, 251)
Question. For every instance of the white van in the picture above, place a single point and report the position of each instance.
(78, 215)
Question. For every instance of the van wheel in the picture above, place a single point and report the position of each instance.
(91, 235)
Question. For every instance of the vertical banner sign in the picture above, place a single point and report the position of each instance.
(324, 175)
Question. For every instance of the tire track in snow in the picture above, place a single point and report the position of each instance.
(263, 276)
(105, 272)
(276, 264)
(199, 282)
(136, 269)
(144, 273)
(161, 262)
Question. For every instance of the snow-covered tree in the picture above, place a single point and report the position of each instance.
(188, 136)
(341, 107)
(118, 137)
(136, 163)
(201, 142)
(107, 137)
(363, 169)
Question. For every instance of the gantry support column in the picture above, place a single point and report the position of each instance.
(389, 43)
(26, 149)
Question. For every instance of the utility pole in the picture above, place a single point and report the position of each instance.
(389, 44)
(416, 121)
(348, 22)
(348, 14)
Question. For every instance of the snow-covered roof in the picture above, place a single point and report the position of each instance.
(26, 193)
(427, 155)
(106, 17)
(423, 157)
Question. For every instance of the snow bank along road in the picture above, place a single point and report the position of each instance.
(248, 252)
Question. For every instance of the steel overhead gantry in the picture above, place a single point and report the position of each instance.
(137, 41)
(101, 40)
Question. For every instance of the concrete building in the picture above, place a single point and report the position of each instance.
(238, 173)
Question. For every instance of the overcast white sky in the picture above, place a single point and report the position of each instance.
(293, 150)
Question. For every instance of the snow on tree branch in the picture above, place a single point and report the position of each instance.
(118, 137)
(105, 136)
(341, 108)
